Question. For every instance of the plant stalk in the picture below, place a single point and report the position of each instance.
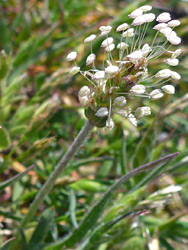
(48, 185)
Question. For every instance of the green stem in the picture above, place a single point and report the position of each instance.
(48, 185)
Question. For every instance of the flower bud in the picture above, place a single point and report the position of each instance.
(136, 13)
(110, 47)
(122, 112)
(107, 42)
(149, 17)
(102, 112)
(138, 89)
(160, 26)
(146, 49)
(122, 27)
(172, 61)
(99, 75)
(74, 70)
(156, 94)
(173, 38)
(105, 28)
(72, 56)
(174, 23)
(168, 89)
(111, 69)
(164, 73)
(120, 101)
(175, 75)
(142, 111)
(122, 46)
(139, 20)
(84, 91)
(176, 53)
(128, 33)
(90, 59)
(109, 123)
(135, 56)
(90, 38)
(166, 31)
(84, 100)
(132, 120)
(145, 8)
(164, 17)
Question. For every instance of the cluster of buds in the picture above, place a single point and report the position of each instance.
(125, 74)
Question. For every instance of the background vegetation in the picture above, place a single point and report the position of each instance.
(40, 115)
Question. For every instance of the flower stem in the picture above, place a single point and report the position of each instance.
(48, 185)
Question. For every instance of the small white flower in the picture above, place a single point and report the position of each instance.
(138, 89)
(132, 120)
(84, 100)
(168, 89)
(174, 23)
(175, 75)
(176, 53)
(173, 38)
(122, 27)
(135, 56)
(74, 70)
(110, 47)
(104, 33)
(99, 75)
(128, 33)
(167, 190)
(90, 38)
(142, 111)
(107, 42)
(111, 69)
(72, 56)
(149, 17)
(146, 49)
(122, 46)
(172, 61)
(105, 28)
(166, 31)
(136, 13)
(84, 91)
(160, 26)
(120, 101)
(146, 8)
(122, 112)
(109, 123)
(164, 73)
(164, 17)
(102, 112)
(139, 20)
(156, 94)
(90, 59)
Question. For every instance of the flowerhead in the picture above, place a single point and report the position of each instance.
(124, 73)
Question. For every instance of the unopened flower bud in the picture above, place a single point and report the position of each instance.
(149, 17)
(102, 112)
(166, 31)
(122, 46)
(172, 61)
(110, 47)
(176, 53)
(139, 20)
(84, 100)
(74, 70)
(128, 33)
(84, 91)
(122, 112)
(174, 23)
(138, 89)
(120, 101)
(132, 119)
(135, 56)
(175, 75)
(90, 38)
(111, 69)
(160, 26)
(72, 56)
(105, 28)
(90, 59)
(142, 111)
(107, 42)
(164, 73)
(173, 38)
(99, 75)
(168, 89)
(156, 94)
(146, 8)
(122, 27)
(109, 123)
(136, 13)
(164, 17)
(146, 49)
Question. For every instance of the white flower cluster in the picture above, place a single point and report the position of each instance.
(119, 78)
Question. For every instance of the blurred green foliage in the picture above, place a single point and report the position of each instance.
(40, 115)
